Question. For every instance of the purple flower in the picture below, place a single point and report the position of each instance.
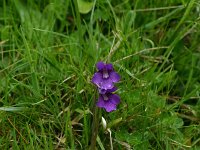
(108, 101)
(105, 77)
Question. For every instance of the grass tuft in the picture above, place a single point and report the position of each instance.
(48, 52)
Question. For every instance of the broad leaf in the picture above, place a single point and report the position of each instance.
(84, 7)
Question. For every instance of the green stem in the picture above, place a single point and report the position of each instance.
(95, 127)
(110, 133)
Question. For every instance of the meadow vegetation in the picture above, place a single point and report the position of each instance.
(48, 52)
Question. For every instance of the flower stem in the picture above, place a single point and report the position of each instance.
(110, 133)
(95, 127)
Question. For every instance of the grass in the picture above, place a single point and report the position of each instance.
(47, 59)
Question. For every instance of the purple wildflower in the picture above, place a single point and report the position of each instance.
(108, 101)
(105, 77)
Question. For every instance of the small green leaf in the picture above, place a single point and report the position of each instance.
(131, 138)
(114, 122)
(84, 7)
(173, 122)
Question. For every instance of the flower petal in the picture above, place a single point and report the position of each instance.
(97, 78)
(114, 76)
(114, 98)
(106, 84)
(101, 103)
(111, 90)
(101, 82)
(109, 67)
(110, 106)
(107, 105)
(100, 66)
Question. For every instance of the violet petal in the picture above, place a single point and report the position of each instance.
(97, 78)
(109, 67)
(111, 90)
(106, 84)
(101, 103)
(100, 66)
(109, 106)
(102, 82)
(114, 98)
(115, 77)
